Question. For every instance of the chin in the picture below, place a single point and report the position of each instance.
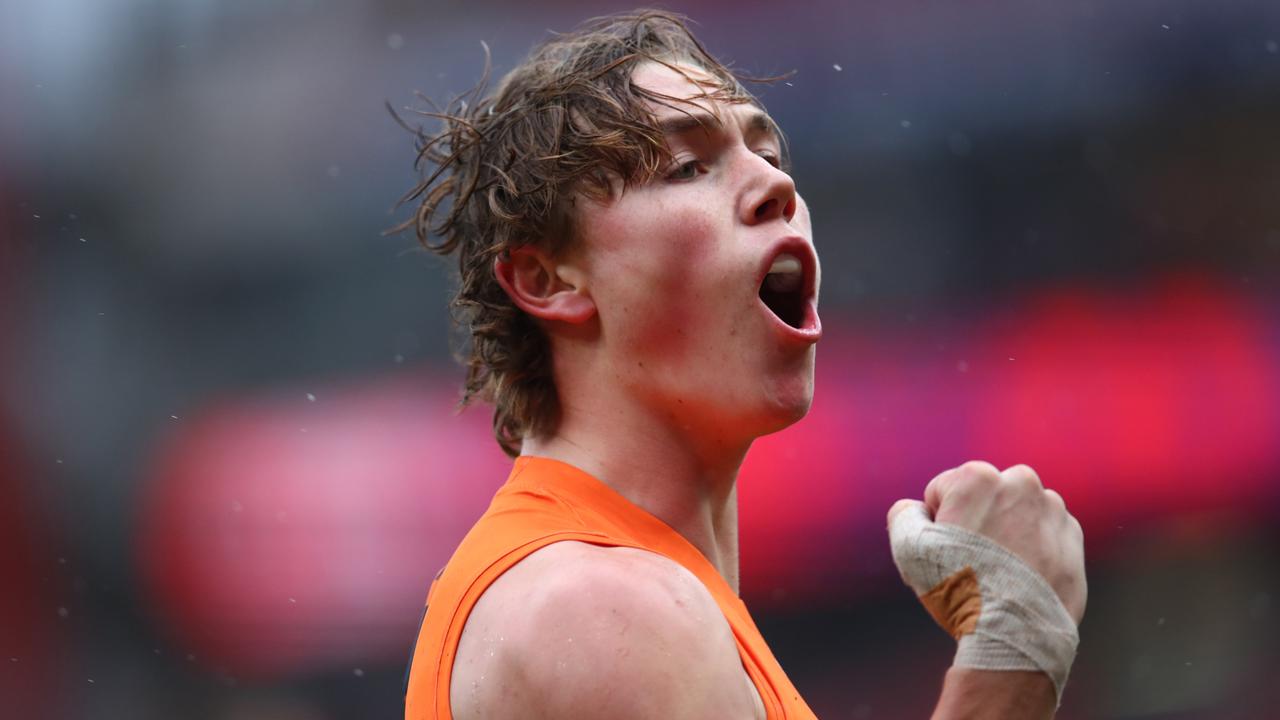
(786, 408)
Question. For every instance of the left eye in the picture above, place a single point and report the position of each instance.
(771, 159)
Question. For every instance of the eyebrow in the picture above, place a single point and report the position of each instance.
(758, 123)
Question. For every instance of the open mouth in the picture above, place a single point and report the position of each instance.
(783, 290)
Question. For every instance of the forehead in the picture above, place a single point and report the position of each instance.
(690, 89)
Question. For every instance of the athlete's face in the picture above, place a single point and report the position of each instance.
(690, 323)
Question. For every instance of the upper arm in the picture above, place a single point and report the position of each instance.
(582, 631)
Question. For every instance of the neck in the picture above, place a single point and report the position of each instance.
(688, 483)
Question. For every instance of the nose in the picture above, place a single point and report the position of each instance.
(771, 195)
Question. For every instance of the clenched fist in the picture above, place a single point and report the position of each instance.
(999, 562)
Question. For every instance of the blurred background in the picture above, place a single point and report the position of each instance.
(229, 460)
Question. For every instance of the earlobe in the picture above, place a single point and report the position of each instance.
(539, 287)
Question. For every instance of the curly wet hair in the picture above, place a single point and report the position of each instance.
(504, 169)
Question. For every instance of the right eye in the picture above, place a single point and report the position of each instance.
(685, 171)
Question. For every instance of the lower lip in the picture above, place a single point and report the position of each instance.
(808, 333)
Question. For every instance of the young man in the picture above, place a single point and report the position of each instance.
(640, 284)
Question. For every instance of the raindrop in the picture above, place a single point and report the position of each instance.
(311, 397)
(395, 41)
(63, 612)
(1273, 47)
(905, 123)
(333, 171)
(1166, 27)
(358, 672)
(837, 67)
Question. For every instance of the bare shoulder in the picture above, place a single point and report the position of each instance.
(579, 630)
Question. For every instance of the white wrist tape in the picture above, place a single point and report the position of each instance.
(1003, 613)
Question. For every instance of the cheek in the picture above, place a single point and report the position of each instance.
(666, 263)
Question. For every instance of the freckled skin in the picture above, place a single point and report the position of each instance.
(674, 266)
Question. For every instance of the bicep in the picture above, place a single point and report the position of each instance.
(607, 634)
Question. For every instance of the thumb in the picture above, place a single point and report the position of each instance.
(904, 505)
(908, 522)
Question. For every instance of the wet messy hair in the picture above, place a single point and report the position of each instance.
(504, 169)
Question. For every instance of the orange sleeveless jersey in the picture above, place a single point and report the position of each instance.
(546, 501)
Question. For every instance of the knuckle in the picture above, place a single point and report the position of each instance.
(1076, 526)
(979, 472)
(1055, 499)
(1022, 476)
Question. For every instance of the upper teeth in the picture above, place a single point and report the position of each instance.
(785, 263)
(785, 274)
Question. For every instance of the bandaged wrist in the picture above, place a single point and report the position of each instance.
(1003, 613)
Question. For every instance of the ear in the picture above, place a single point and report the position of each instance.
(543, 287)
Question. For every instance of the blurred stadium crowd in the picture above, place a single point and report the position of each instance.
(229, 461)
